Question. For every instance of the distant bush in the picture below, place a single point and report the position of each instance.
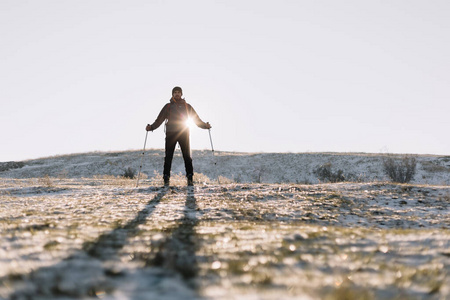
(400, 170)
(224, 180)
(325, 173)
(129, 173)
(6, 166)
(46, 181)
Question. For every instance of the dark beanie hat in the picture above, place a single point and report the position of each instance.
(177, 88)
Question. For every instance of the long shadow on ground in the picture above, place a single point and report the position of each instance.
(82, 273)
(109, 244)
(177, 253)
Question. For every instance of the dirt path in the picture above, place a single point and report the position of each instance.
(82, 238)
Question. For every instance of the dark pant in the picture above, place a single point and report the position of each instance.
(182, 138)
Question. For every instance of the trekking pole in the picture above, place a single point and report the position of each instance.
(212, 148)
(142, 160)
(210, 139)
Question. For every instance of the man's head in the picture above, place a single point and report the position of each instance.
(177, 92)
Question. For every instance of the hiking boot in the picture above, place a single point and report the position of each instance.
(190, 180)
(166, 180)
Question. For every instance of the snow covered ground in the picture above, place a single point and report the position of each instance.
(238, 167)
(71, 228)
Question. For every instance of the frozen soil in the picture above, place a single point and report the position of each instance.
(236, 167)
(103, 238)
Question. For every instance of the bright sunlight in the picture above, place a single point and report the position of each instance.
(190, 123)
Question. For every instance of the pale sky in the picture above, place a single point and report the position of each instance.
(270, 76)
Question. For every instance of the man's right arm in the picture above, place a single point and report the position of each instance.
(160, 119)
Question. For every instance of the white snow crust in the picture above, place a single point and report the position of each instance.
(254, 226)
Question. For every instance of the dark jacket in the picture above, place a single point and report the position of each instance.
(176, 113)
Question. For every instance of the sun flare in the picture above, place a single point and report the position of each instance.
(190, 123)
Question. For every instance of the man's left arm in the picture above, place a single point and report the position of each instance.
(194, 116)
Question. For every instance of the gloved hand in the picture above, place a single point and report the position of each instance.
(149, 127)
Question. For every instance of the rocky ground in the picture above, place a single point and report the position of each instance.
(101, 237)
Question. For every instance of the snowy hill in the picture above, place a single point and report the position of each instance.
(71, 229)
(237, 167)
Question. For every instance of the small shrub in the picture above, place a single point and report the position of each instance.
(224, 180)
(434, 167)
(200, 178)
(401, 171)
(63, 174)
(325, 173)
(129, 173)
(258, 174)
(142, 176)
(6, 166)
(46, 181)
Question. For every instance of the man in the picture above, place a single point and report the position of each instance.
(176, 114)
